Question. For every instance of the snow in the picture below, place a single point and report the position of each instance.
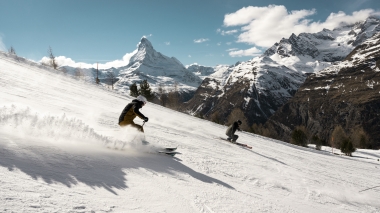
(60, 151)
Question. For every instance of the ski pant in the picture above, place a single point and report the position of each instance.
(131, 124)
(233, 137)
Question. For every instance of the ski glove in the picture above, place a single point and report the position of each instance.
(146, 119)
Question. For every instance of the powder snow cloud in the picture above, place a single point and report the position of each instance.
(263, 26)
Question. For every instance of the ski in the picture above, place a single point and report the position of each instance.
(239, 144)
(170, 149)
(171, 153)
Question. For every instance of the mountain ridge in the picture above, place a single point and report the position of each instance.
(267, 82)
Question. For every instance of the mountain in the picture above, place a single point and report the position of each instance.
(346, 94)
(253, 90)
(158, 69)
(201, 71)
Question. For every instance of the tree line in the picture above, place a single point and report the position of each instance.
(346, 142)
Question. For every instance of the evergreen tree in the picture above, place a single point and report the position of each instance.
(145, 90)
(299, 136)
(347, 147)
(133, 91)
(317, 141)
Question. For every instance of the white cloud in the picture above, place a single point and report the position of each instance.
(63, 61)
(189, 56)
(228, 32)
(150, 35)
(219, 43)
(263, 26)
(201, 40)
(248, 52)
(167, 43)
(232, 49)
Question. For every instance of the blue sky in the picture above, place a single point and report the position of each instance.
(207, 32)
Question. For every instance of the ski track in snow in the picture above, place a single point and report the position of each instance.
(60, 151)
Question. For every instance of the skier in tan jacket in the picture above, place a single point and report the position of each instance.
(131, 111)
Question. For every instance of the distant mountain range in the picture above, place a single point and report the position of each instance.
(255, 89)
(345, 94)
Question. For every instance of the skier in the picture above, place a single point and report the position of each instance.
(231, 131)
(131, 111)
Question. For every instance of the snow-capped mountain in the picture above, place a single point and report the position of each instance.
(346, 94)
(201, 71)
(157, 68)
(260, 86)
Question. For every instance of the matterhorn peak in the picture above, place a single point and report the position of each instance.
(145, 51)
(145, 44)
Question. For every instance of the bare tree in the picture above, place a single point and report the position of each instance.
(97, 74)
(12, 51)
(173, 96)
(53, 62)
(359, 137)
(337, 137)
(111, 77)
(161, 92)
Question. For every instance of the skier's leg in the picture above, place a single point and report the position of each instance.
(138, 127)
(235, 137)
(229, 138)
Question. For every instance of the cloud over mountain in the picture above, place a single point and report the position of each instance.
(263, 26)
(64, 61)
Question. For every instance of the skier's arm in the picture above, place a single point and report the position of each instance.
(136, 109)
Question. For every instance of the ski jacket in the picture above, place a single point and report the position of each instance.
(232, 129)
(130, 112)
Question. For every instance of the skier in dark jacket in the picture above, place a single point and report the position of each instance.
(131, 111)
(231, 131)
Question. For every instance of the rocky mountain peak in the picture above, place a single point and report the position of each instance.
(145, 45)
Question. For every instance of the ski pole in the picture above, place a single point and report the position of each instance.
(142, 126)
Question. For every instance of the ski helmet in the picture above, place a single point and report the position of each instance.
(141, 98)
(239, 122)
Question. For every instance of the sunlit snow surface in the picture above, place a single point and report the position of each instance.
(61, 150)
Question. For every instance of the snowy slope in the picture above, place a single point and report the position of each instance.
(54, 134)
